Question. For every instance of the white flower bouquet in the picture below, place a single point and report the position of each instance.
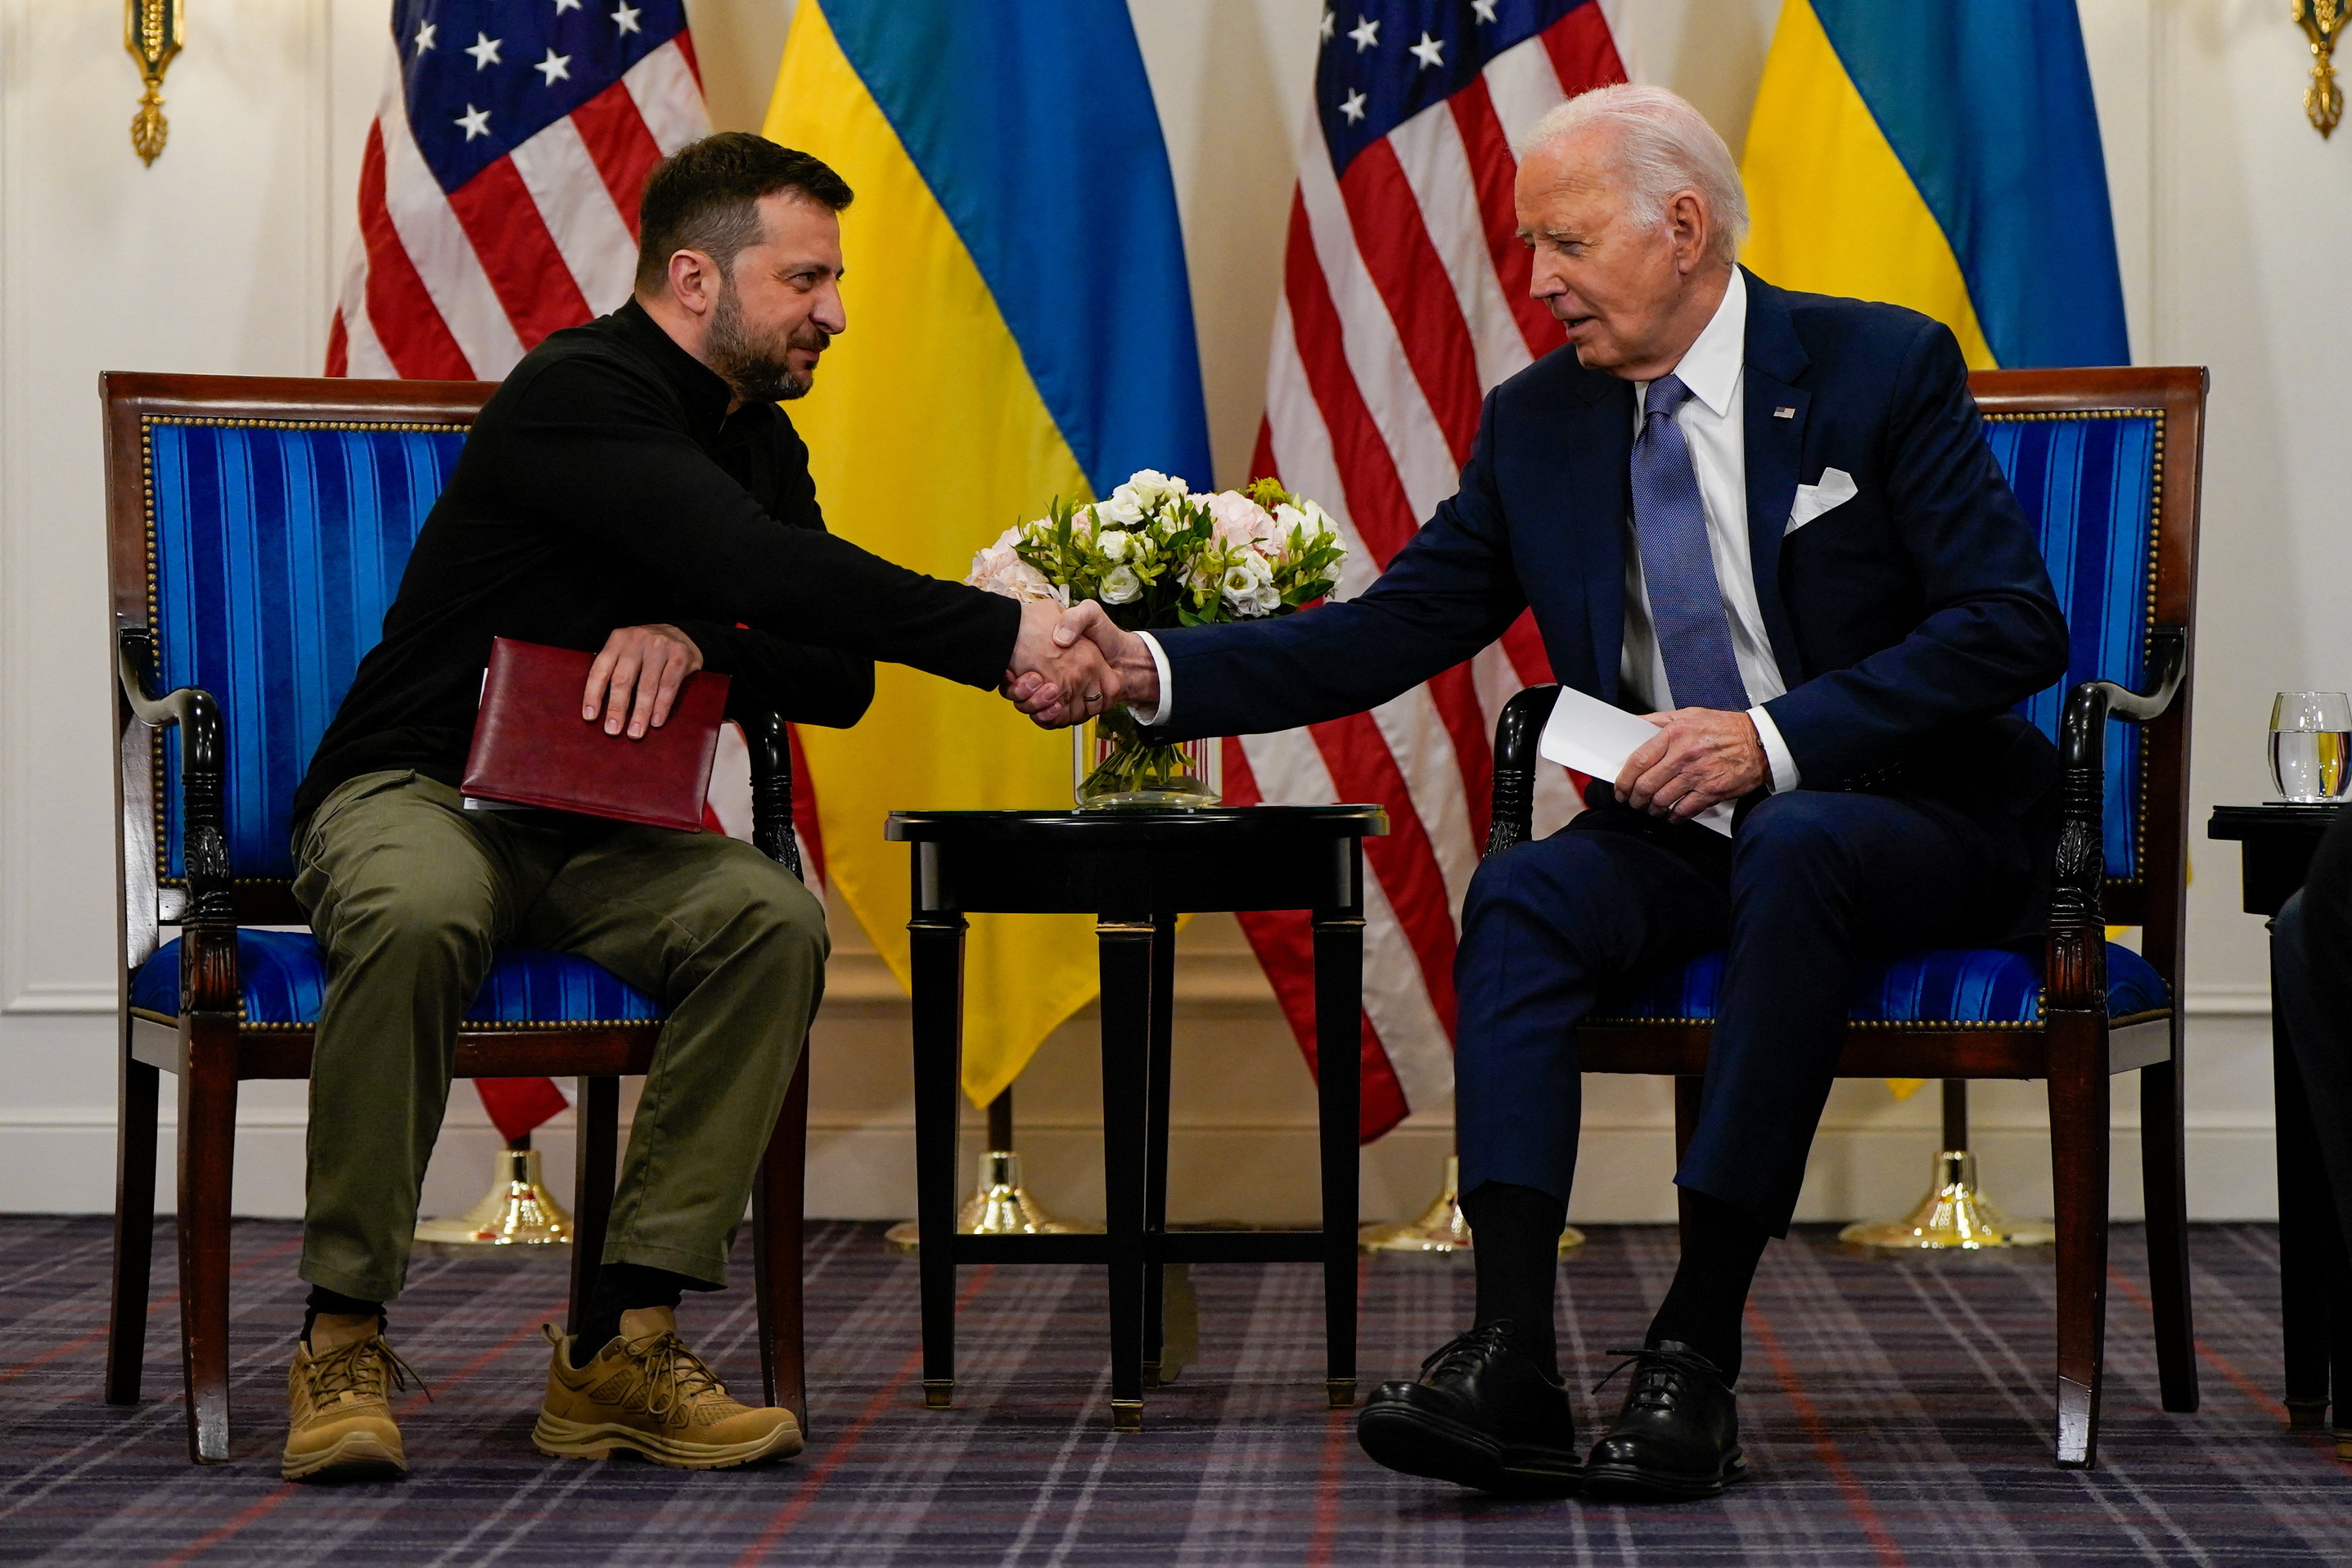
(1156, 556)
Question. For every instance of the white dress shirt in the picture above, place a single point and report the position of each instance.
(1712, 423)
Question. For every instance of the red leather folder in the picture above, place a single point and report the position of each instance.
(531, 747)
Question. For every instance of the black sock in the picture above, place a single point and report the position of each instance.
(1721, 1247)
(322, 1299)
(1515, 1244)
(625, 1288)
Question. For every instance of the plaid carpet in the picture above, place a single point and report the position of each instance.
(1895, 1413)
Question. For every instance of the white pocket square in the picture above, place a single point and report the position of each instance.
(1836, 488)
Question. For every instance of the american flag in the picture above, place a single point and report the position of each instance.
(498, 190)
(499, 204)
(1405, 299)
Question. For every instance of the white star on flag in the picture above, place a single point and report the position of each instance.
(627, 18)
(1366, 33)
(485, 51)
(425, 31)
(556, 68)
(563, 5)
(1352, 106)
(1329, 22)
(477, 122)
(1430, 52)
(1484, 8)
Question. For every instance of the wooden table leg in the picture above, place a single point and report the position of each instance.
(1155, 1146)
(1339, 1094)
(2302, 1272)
(1127, 943)
(936, 939)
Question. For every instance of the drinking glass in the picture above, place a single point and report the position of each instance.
(2311, 740)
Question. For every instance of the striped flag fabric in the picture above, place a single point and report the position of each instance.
(1947, 158)
(1405, 299)
(1021, 329)
(498, 186)
(497, 203)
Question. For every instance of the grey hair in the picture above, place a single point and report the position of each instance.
(1661, 147)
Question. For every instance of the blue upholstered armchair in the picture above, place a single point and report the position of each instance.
(2107, 464)
(257, 530)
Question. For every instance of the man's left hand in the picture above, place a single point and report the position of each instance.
(647, 663)
(1699, 756)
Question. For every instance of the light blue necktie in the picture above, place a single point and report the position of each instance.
(1677, 565)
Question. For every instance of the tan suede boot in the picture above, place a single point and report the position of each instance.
(340, 1408)
(652, 1394)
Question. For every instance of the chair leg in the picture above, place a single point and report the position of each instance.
(597, 1117)
(2163, 1149)
(778, 1200)
(134, 1226)
(208, 1136)
(2078, 1158)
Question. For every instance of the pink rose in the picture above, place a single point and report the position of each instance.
(1239, 520)
(999, 570)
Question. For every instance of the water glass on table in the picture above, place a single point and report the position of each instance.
(2311, 742)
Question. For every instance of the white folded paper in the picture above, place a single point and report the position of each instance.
(1836, 488)
(1589, 735)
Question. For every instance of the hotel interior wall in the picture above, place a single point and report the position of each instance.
(2234, 218)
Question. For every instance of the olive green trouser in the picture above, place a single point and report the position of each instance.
(409, 895)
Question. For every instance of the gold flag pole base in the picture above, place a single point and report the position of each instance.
(1001, 1206)
(1955, 1216)
(1440, 1230)
(517, 1211)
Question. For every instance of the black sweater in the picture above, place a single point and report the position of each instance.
(606, 485)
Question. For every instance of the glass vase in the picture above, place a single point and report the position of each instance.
(1113, 765)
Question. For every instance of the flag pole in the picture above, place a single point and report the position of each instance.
(999, 1204)
(1955, 1214)
(518, 1210)
(1440, 1230)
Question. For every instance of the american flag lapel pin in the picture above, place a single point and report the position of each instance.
(1784, 412)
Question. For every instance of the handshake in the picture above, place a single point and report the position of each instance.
(1069, 664)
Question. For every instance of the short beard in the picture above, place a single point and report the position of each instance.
(756, 367)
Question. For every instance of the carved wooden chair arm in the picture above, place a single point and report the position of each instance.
(1516, 735)
(208, 977)
(772, 788)
(2075, 978)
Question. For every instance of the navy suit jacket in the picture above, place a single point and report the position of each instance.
(1907, 622)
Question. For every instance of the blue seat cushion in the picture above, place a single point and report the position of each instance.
(284, 979)
(1956, 985)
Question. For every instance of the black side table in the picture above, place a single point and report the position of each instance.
(1136, 872)
(2314, 1277)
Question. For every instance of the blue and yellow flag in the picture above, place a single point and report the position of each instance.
(1945, 157)
(1020, 327)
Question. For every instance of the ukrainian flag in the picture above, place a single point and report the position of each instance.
(1020, 327)
(1943, 156)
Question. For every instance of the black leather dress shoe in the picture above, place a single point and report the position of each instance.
(1481, 1415)
(1676, 1435)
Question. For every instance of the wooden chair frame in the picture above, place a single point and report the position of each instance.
(209, 1047)
(2075, 1047)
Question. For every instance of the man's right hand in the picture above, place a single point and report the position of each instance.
(640, 669)
(1057, 680)
(1124, 657)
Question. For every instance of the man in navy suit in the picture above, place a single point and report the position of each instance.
(1770, 522)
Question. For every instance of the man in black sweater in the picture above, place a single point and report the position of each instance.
(632, 489)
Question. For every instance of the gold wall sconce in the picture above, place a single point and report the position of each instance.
(2321, 21)
(152, 31)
